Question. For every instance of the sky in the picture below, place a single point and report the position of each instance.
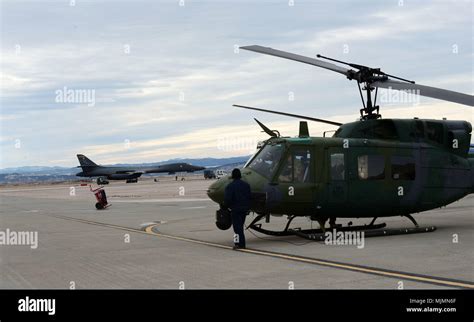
(146, 81)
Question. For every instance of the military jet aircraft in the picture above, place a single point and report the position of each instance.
(91, 169)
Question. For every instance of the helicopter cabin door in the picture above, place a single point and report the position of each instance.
(337, 176)
(296, 179)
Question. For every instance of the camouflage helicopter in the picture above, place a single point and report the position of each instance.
(370, 168)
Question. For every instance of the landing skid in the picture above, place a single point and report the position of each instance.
(370, 230)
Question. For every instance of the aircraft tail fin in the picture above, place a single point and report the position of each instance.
(86, 162)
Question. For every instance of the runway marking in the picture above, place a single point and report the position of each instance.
(161, 200)
(322, 262)
(158, 222)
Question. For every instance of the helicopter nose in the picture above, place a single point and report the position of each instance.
(216, 192)
(212, 192)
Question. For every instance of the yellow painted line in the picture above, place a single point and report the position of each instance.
(362, 269)
(149, 231)
(96, 223)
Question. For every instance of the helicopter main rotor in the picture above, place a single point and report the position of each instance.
(371, 78)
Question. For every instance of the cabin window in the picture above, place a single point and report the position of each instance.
(371, 167)
(296, 167)
(435, 132)
(337, 166)
(403, 168)
(286, 174)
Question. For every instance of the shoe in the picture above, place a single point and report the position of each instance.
(237, 247)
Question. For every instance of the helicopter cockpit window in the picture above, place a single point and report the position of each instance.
(371, 167)
(266, 161)
(337, 166)
(403, 168)
(296, 166)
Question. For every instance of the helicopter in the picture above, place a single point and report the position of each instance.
(370, 168)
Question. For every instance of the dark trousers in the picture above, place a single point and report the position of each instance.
(238, 220)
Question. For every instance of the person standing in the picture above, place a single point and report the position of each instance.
(237, 198)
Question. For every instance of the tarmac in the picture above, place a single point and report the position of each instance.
(162, 235)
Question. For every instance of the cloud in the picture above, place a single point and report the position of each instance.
(165, 76)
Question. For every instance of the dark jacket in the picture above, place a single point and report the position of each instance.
(237, 195)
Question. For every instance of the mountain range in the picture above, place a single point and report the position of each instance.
(31, 174)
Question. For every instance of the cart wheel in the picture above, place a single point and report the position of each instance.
(99, 206)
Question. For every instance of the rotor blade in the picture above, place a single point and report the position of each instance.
(266, 129)
(439, 93)
(299, 58)
(288, 114)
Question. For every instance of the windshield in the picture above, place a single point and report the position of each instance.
(266, 161)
